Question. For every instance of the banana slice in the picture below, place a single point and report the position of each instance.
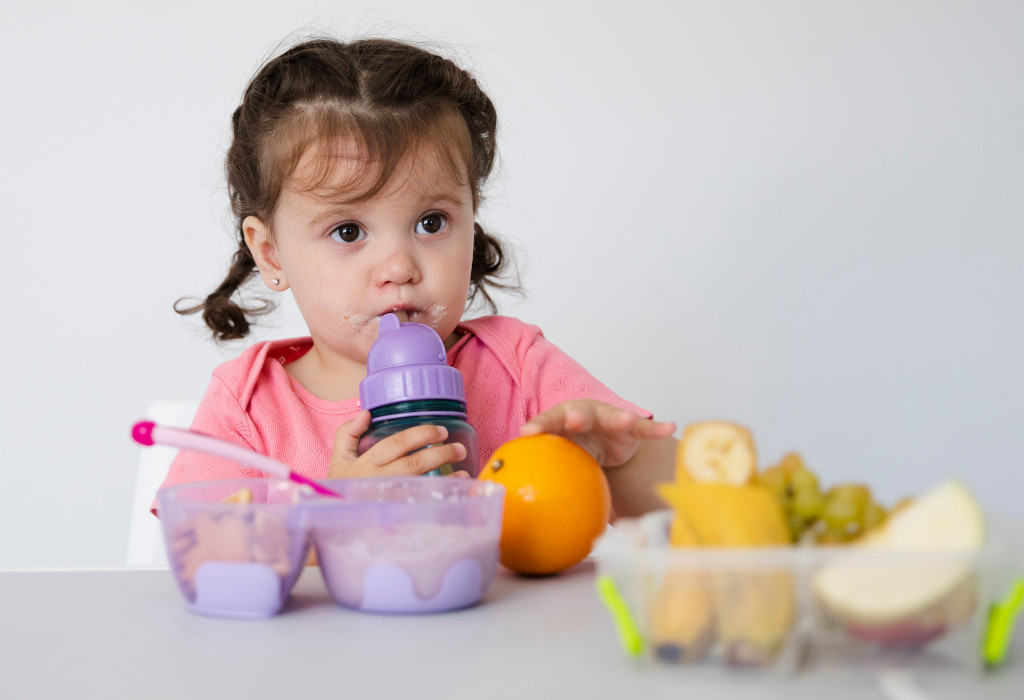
(241, 496)
(716, 451)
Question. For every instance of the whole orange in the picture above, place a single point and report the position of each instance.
(557, 502)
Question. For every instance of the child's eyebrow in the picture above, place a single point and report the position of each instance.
(335, 209)
(329, 214)
(456, 197)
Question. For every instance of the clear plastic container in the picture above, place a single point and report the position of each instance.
(782, 608)
(236, 546)
(408, 544)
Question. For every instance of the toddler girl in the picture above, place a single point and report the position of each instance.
(355, 173)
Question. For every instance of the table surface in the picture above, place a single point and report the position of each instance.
(126, 633)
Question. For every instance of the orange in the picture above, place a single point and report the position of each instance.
(557, 502)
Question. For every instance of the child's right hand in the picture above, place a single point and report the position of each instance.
(397, 455)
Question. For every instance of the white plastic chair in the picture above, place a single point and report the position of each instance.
(145, 537)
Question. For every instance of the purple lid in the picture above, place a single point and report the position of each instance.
(407, 362)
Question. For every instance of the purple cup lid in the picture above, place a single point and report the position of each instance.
(407, 362)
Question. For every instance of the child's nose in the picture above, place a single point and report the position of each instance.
(398, 266)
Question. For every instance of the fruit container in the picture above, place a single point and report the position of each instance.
(784, 608)
(235, 546)
(407, 544)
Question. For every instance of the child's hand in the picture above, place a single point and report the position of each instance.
(609, 433)
(391, 456)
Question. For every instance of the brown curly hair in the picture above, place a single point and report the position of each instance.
(387, 95)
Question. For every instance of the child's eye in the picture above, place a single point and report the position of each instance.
(348, 232)
(432, 223)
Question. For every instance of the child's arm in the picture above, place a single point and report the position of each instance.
(632, 483)
(636, 452)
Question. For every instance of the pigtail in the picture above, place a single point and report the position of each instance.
(223, 315)
(489, 266)
(228, 319)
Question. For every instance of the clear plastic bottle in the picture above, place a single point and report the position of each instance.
(409, 382)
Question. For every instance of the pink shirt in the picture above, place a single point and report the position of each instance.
(510, 370)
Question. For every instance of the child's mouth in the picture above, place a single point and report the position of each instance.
(405, 314)
(366, 324)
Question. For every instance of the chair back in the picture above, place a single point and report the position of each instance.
(145, 536)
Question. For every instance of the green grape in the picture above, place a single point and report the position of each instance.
(803, 478)
(806, 500)
(775, 479)
(839, 514)
(797, 491)
(855, 493)
(848, 511)
(808, 504)
(792, 461)
(796, 526)
(874, 515)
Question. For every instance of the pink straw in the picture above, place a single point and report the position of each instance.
(149, 433)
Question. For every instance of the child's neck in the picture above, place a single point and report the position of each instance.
(330, 378)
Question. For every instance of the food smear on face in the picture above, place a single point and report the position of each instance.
(367, 324)
(425, 550)
(432, 315)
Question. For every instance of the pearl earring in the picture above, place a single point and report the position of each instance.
(275, 281)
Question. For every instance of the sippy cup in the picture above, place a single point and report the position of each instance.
(408, 382)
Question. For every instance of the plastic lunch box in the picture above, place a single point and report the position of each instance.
(767, 607)
(408, 545)
(235, 547)
(392, 545)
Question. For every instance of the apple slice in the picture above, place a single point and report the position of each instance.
(906, 582)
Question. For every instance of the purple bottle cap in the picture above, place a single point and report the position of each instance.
(407, 362)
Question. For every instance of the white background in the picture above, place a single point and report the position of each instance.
(804, 216)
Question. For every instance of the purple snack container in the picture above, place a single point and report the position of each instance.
(237, 546)
(407, 544)
(409, 382)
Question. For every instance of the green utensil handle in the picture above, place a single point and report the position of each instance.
(1001, 618)
(629, 635)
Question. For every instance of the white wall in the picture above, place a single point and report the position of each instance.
(805, 216)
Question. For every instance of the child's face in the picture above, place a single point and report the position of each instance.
(408, 249)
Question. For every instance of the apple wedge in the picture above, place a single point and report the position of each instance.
(908, 581)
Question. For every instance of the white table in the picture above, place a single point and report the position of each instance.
(126, 634)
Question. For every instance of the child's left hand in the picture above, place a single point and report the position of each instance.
(609, 433)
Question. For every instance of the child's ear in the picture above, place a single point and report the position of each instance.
(261, 246)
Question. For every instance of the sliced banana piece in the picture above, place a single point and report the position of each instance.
(241, 496)
(716, 451)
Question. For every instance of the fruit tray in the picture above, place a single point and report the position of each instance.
(782, 608)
